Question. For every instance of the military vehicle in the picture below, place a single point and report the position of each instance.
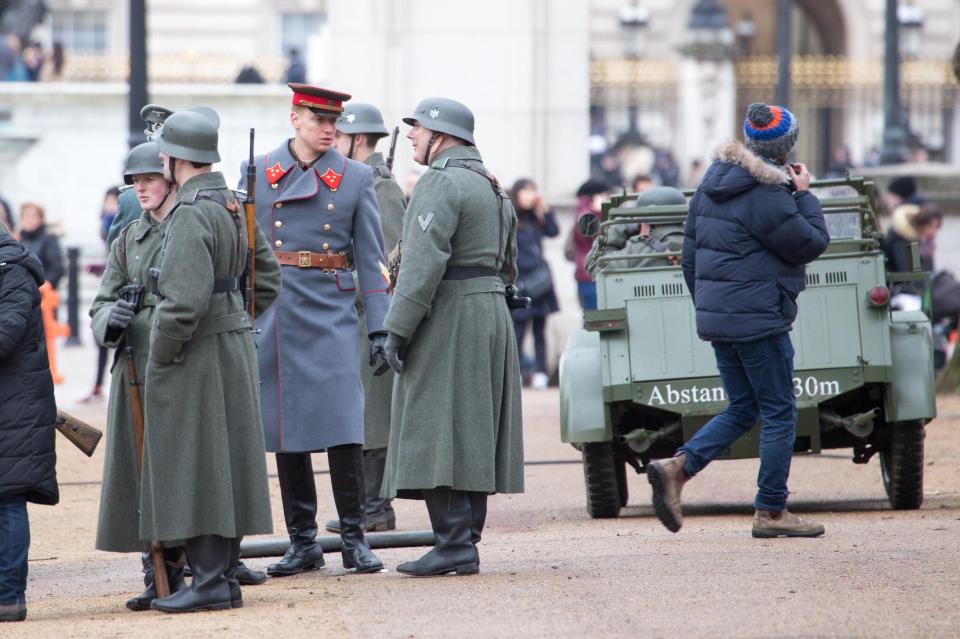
(636, 381)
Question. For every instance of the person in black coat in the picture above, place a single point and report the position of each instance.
(535, 221)
(27, 416)
(752, 226)
(45, 245)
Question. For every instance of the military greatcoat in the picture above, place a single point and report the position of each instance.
(118, 526)
(204, 468)
(378, 391)
(456, 405)
(311, 394)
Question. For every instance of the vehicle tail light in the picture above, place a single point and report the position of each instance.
(879, 295)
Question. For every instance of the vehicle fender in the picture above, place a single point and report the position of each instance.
(582, 412)
(910, 394)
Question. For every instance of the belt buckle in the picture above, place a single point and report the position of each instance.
(303, 259)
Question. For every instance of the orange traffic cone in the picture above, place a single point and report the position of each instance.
(49, 300)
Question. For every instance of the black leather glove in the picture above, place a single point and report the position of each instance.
(121, 314)
(392, 351)
(377, 357)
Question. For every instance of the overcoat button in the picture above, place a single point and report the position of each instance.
(325, 246)
(279, 205)
(330, 206)
(278, 224)
(326, 227)
(273, 186)
(278, 243)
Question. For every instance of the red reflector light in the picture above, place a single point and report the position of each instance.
(879, 296)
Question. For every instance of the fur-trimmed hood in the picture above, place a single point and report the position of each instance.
(902, 221)
(736, 169)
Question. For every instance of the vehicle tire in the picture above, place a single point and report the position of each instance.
(600, 476)
(901, 466)
(622, 490)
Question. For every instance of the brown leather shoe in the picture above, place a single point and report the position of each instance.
(667, 478)
(787, 525)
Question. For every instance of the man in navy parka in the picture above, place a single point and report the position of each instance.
(753, 225)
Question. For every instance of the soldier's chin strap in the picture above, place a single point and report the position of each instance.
(172, 163)
(433, 138)
(353, 141)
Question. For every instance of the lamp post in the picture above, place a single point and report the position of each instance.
(910, 23)
(708, 85)
(746, 30)
(893, 149)
(138, 71)
(784, 51)
(634, 19)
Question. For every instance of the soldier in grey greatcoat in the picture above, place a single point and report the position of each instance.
(117, 322)
(455, 432)
(359, 128)
(204, 471)
(318, 207)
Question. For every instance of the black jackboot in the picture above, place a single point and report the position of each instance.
(298, 492)
(380, 514)
(236, 599)
(175, 561)
(210, 556)
(478, 516)
(346, 477)
(451, 517)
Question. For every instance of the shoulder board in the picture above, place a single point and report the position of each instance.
(440, 164)
(218, 197)
(382, 171)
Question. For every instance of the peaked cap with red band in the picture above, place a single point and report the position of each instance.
(318, 100)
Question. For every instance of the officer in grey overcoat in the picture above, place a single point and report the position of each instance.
(317, 207)
(359, 128)
(204, 471)
(455, 431)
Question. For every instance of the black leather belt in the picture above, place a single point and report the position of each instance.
(469, 272)
(226, 285)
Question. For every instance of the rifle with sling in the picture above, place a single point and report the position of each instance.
(393, 148)
(133, 293)
(250, 210)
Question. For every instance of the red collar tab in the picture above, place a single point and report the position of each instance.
(332, 179)
(274, 173)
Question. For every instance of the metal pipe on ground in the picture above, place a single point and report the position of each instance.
(253, 548)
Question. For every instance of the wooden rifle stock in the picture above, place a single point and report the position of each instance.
(250, 211)
(82, 435)
(161, 583)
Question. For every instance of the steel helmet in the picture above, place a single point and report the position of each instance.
(190, 135)
(143, 158)
(359, 117)
(444, 116)
(661, 196)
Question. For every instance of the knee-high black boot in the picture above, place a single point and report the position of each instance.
(451, 517)
(478, 517)
(175, 561)
(210, 558)
(298, 492)
(346, 477)
(380, 514)
(233, 567)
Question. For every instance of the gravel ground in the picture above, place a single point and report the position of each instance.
(549, 570)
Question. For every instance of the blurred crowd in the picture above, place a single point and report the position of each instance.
(29, 62)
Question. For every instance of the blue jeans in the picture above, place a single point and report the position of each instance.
(587, 292)
(14, 544)
(758, 380)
